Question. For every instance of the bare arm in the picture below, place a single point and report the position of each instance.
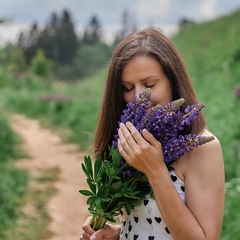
(202, 216)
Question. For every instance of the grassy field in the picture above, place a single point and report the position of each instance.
(211, 51)
(14, 182)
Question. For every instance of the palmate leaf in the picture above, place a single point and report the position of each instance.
(129, 193)
(92, 201)
(102, 191)
(114, 188)
(110, 171)
(100, 179)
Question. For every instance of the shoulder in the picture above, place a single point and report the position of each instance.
(201, 157)
(205, 163)
(208, 153)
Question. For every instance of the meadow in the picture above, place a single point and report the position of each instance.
(211, 51)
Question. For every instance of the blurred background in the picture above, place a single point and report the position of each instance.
(53, 61)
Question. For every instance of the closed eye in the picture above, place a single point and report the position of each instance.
(149, 86)
(125, 89)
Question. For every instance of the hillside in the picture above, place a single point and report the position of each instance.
(211, 51)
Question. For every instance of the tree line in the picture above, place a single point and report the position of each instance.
(69, 56)
(56, 49)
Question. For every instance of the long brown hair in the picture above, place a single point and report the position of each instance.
(146, 42)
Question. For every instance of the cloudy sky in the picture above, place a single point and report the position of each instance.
(164, 14)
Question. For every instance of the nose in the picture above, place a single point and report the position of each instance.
(139, 89)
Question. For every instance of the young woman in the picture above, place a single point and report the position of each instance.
(189, 201)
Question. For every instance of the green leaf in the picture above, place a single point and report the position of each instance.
(170, 168)
(86, 171)
(86, 192)
(91, 185)
(92, 201)
(128, 208)
(116, 157)
(115, 178)
(97, 166)
(129, 192)
(88, 165)
(118, 195)
(102, 191)
(110, 171)
(115, 187)
(109, 217)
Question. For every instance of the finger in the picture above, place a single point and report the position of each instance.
(151, 139)
(88, 229)
(126, 134)
(136, 135)
(123, 143)
(84, 236)
(122, 151)
(99, 234)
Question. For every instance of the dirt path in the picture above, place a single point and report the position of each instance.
(67, 207)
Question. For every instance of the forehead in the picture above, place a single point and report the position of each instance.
(141, 67)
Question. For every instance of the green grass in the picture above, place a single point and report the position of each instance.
(13, 181)
(73, 107)
(12, 192)
(209, 50)
(34, 219)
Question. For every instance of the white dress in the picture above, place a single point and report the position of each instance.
(145, 222)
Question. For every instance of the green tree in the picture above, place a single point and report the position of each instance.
(28, 42)
(16, 57)
(92, 58)
(58, 39)
(93, 31)
(66, 40)
(128, 25)
(48, 40)
(40, 65)
(93, 53)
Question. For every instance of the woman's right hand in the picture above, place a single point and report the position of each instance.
(108, 232)
(87, 231)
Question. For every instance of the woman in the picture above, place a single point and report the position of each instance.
(189, 201)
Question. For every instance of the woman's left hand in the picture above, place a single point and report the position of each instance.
(142, 152)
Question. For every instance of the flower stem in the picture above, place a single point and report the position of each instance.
(97, 222)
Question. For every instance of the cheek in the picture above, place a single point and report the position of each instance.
(127, 97)
(161, 98)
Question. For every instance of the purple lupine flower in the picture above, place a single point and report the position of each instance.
(177, 147)
(134, 112)
(164, 123)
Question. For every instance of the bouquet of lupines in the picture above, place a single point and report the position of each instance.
(113, 184)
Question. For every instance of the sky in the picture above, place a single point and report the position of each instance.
(164, 14)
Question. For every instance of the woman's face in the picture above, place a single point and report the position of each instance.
(144, 72)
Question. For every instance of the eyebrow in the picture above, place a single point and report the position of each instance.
(144, 79)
